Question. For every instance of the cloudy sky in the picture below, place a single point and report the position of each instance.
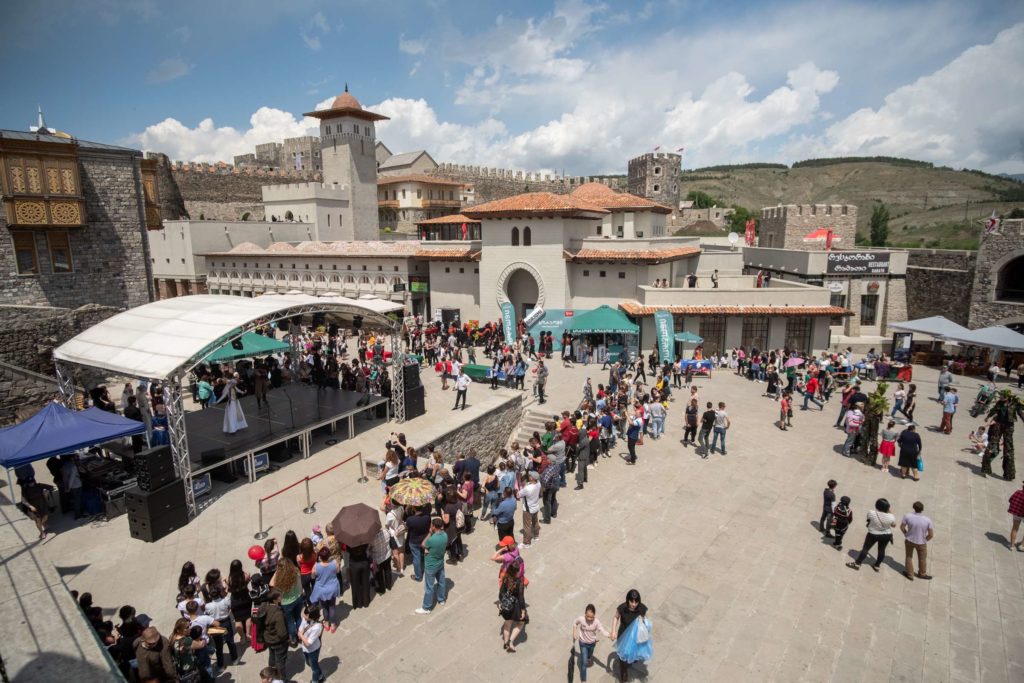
(574, 85)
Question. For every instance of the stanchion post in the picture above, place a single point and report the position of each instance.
(362, 470)
(310, 508)
(261, 534)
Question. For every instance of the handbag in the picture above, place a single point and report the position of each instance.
(643, 630)
(920, 464)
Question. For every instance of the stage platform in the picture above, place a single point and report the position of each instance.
(291, 412)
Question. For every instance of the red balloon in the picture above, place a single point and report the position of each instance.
(257, 553)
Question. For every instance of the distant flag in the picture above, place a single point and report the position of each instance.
(463, 231)
(657, 148)
(680, 150)
(992, 224)
(749, 233)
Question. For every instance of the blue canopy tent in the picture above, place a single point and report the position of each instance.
(56, 430)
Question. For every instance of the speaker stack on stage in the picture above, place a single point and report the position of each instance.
(414, 391)
(156, 513)
(411, 376)
(154, 468)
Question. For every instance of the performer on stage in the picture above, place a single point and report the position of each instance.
(234, 419)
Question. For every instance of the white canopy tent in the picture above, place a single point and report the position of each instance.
(936, 326)
(165, 339)
(996, 337)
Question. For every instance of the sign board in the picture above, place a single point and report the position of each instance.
(856, 262)
(835, 286)
(535, 315)
(508, 321)
(664, 328)
(568, 314)
(901, 343)
(261, 462)
(419, 286)
(399, 287)
(202, 485)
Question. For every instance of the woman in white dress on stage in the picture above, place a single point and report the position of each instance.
(234, 419)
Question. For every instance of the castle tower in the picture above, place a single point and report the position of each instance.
(348, 156)
(655, 175)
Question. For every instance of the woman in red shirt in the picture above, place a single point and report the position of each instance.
(306, 560)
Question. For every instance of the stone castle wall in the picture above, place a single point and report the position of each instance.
(496, 183)
(784, 227)
(23, 392)
(995, 251)
(110, 256)
(28, 334)
(172, 204)
(939, 283)
(224, 192)
(655, 175)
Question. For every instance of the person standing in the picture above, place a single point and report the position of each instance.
(853, 421)
(949, 403)
(631, 645)
(234, 418)
(154, 658)
(461, 387)
(945, 379)
(530, 495)
(512, 606)
(880, 525)
(585, 631)
(690, 430)
(714, 279)
(274, 630)
(434, 546)
(542, 380)
(898, 397)
(310, 631)
(888, 446)
(785, 410)
(707, 423)
(1016, 511)
(34, 498)
(918, 530)
(909, 442)
(204, 390)
(326, 588)
(72, 483)
(722, 424)
(828, 502)
(841, 518)
(633, 433)
(504, 514)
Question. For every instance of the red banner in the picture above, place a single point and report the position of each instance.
(751, 225)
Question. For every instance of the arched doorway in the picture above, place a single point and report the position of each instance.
(1010, 284)
(522, 290)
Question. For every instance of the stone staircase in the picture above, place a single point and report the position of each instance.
(533, 421)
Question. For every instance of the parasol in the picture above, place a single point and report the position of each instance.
(356, 525)
(793, 362)
(413, 491)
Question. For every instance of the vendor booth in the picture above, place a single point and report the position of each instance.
(611, 334)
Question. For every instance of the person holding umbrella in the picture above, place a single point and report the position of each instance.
(355, 527)
(791, 365)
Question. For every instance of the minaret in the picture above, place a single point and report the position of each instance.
(348, 153)
(40, 126)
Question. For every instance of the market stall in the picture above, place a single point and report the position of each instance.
(618, 336)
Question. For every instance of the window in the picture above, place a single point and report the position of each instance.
(844, 209)
(657, 170)
(320, 267)
(327, 129)
(814, 209)
(419, 193)
(476, 271)
(451, 195)
(657, 188)
(403, 193)
(597, 230)
(348, 267)
(25, 253)
(366, 131)
(396, 269)
(515, 237)
(602, 273)
(840, 301)
(798, 333)
(380, 268)
(334, 267)
(869, 309)
(828, 210)
(328, 220)
(527, 237)
(755, 332)
(462, 270)
(712, 329)
(622, 275)
(364, 267)
(447, 269)
(586, 273)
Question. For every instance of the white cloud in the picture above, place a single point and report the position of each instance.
(207, 142)
(316, 27)
(412, 46)
(182, 33)
(168, 70)
(969, 113)
(312, 42)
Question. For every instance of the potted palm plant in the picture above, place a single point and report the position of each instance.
(874, 412)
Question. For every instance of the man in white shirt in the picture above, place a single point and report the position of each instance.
(530, 495)
(461, 386)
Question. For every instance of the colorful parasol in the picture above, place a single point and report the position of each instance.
(793, 362)
(413, 491)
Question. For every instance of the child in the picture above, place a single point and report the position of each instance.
(888, 446)
(270, 674)
(784, 411)
(841, 518)
(317, 536)
(585, 629)
(979, 438)
(310, 631)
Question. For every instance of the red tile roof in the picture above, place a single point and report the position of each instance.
(346, 104)
(466, 253)
(606, 197)
(534, 204)
(415, 178)
(456, 218)
(648, 256)
(634, 308)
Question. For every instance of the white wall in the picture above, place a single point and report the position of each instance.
(453, 289)
(545, 256)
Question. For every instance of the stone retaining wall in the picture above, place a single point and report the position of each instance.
(21, 391)
(486, 433)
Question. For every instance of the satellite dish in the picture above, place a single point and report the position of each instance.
(733, 238)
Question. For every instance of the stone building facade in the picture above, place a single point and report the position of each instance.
(655, 175)
(268, 155)
(224, 193)
(301, 154)
(785, 226)
(997, 294)
(939, 282)
(484, 184)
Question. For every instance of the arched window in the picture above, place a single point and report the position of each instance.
(380, 280)
(1010, 283)
(526, 236)
(350, 280)
(515, 237)
(288, 216)
(364, 280)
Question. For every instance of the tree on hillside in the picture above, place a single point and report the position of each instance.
(739, 216)
(702, 200)
(879, 225)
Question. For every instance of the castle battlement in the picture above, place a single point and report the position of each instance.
(788, 210)
(298, 191)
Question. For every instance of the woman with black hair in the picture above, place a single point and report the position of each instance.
(880, 526)
(241, 601)
(290, 548)
(512, 606)
(631, 631)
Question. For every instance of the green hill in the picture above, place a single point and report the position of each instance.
(933, 207)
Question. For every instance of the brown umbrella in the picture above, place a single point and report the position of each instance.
(356, 524)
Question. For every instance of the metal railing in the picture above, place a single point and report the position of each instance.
(310, 506)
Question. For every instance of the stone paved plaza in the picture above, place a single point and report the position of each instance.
(724, 551)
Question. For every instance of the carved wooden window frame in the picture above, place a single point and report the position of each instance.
(41, 185)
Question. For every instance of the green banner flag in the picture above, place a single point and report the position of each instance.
(663, 328)
(508, 321)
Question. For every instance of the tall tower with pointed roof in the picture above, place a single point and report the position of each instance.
(348, 141)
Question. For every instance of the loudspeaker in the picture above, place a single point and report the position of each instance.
(211, 457)
(357, 322)
(414, 402)
(279, 453)
(224, 473)
(154, 468)
(115, 507)
(149, 530)
(411, 376)
(149, 505)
